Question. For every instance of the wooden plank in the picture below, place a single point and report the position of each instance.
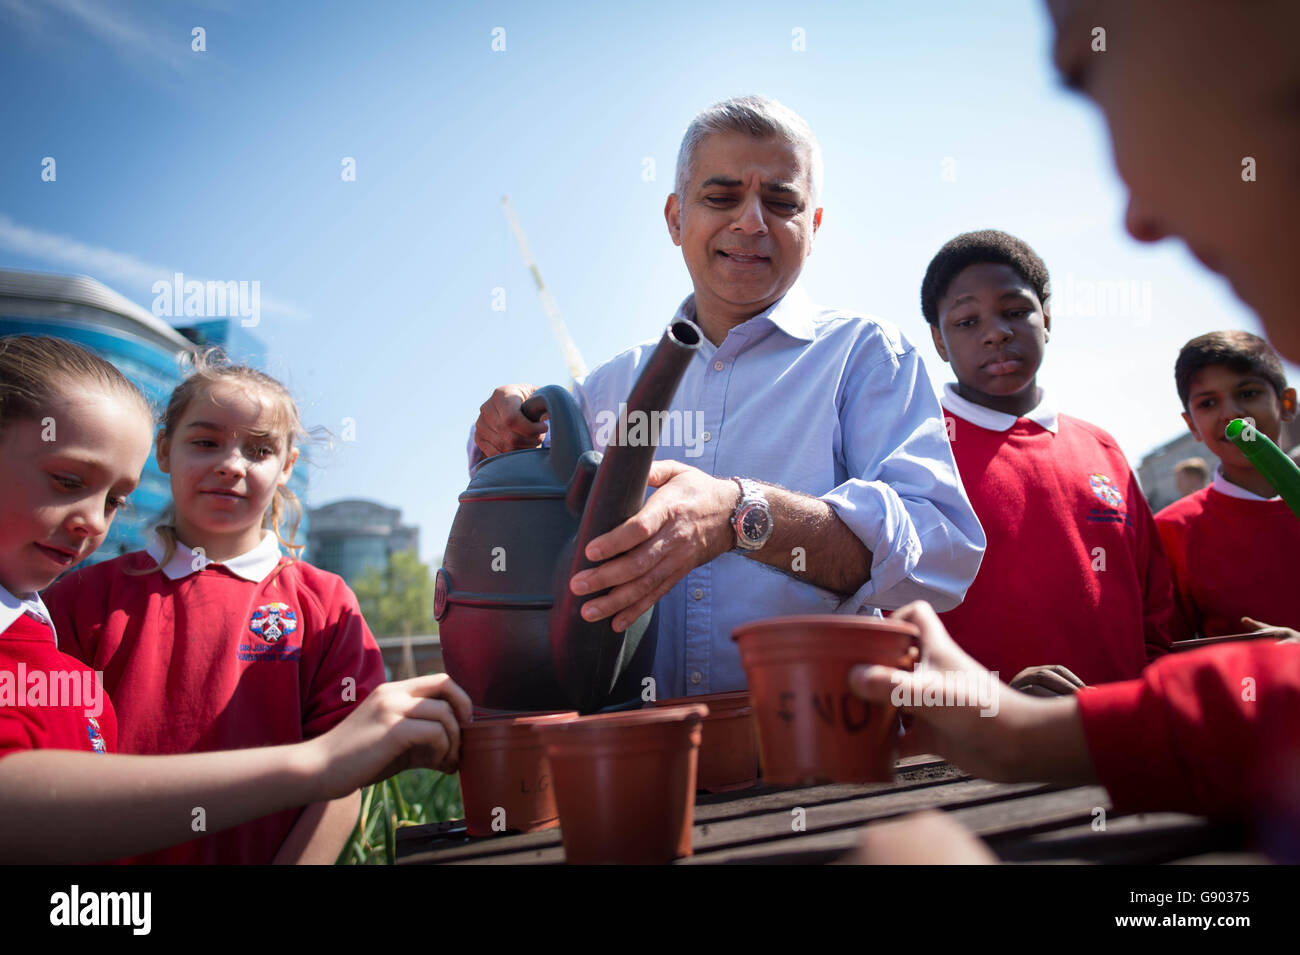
(717, 807)
(1143, 838)
(998, 807)
(768, 832)
(779, 824)
(1227, 858)
(419, 845)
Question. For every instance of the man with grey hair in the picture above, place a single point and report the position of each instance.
(815, 474)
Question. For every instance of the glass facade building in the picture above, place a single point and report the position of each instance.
(145, 348)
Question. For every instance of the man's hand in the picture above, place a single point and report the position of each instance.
(684, 524)
(1049, 680)
(502, 427)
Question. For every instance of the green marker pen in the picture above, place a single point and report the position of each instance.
(1269, 460)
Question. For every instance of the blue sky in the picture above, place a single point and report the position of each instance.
(934, 118)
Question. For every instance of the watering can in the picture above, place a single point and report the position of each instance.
(512, 632)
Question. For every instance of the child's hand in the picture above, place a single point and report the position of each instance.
(995, 733)
(1049, 680)
(414, 723)
(1284, 634)
(957, 733)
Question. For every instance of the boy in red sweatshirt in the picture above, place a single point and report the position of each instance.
(1222, 376)
(1214, 730)
(1073, 576)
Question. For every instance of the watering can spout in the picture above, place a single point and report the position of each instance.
(589, 657)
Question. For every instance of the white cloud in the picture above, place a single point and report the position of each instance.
(132, 42)
(107, 264)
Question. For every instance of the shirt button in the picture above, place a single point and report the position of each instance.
(718, 366)
(706, 436)
(696, 677)
(697, 593)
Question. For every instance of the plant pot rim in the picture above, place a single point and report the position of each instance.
(725, 702)
(486, 729)
(829, 621)
(601, 723)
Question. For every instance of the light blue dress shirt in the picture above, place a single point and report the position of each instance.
(820, 401)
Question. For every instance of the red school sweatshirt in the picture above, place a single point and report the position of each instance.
(213, 661)
(1073, 572)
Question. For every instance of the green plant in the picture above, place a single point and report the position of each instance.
(410, 798)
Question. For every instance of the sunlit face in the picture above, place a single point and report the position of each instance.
(745, 222)
(1217, 394)
(64, 476)
(225, 465)
(1196, 94)
(992, 329)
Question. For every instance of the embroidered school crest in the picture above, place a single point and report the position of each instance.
(1105, 489)
(274, 621)
(96, 738)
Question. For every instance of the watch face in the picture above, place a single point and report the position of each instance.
(755, 523)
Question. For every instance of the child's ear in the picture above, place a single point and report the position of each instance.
(938, 342)
(1047, 323)
(1191, 426)
(673, 216)
(287, 471)
(163, 452)
(1288, 405)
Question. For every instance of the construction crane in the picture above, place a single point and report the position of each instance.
(572, 357)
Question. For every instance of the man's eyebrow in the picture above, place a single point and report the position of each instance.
(730, 182)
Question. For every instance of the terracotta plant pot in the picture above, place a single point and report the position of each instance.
(811, 727)
(625, 783)
(728, 748)
(505, 780)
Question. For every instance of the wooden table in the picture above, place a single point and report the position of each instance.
(1021, 822)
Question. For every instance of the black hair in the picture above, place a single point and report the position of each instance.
(1242, 352)
(977, 248)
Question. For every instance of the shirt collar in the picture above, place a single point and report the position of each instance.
(792, 313)
(12, 607)
(1043, 415)
(254, 565)
(1224, 486)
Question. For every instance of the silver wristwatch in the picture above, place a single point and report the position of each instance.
(752, 519)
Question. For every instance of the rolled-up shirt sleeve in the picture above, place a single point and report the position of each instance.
(903, 497)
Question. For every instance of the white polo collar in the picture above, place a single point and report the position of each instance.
(12, 607)
(253, 565)
(1043, 415)
(1224, 486)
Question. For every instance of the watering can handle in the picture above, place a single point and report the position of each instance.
(535, 406)
(568, 430)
